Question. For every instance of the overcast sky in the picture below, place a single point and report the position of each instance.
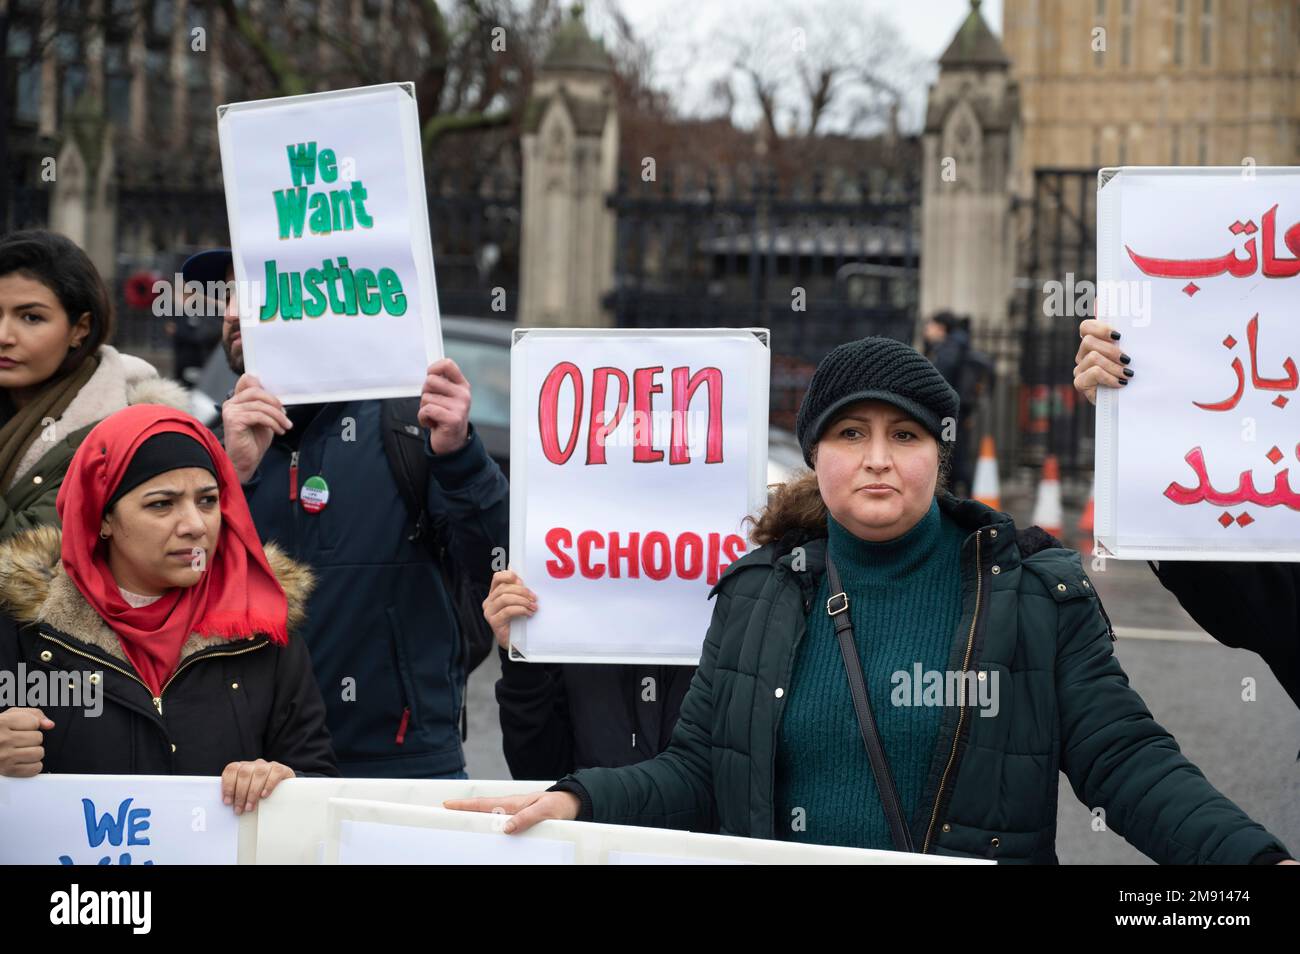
(689, 37)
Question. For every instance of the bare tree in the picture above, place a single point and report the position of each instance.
(471, 61)
(826, 66)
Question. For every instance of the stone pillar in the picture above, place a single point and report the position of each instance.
(570, 157)
(83, 202)
(970, 147)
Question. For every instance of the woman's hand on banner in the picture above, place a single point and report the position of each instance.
(444, 406)
(244, 784)
(251, 418)
(525, 811)
(1100, 362)
(21, 742)
(507, 599)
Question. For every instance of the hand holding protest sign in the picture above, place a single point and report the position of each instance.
(250, 419)
(1198, 272)
(330, 232)
(22, 741)
(635, 457)
(444, 406)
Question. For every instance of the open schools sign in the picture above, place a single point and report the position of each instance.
(635, 458)
(330, 231)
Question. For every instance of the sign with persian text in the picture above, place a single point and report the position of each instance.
(635, 458)
(330, 232)
(1198, 457)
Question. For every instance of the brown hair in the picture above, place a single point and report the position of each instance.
(797, 505)
(62, 267)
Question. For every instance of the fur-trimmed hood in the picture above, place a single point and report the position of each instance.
(120, 381)
(34, 588)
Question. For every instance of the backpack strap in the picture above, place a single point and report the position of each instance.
(398, 417)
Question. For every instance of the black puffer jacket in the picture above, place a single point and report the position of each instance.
(1030, 615)
(1253, 606)
(558, 718)
(228, 701)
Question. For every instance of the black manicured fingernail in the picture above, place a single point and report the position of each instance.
(1125, 359)
(1114, 336)
(1128, 372)
(1123, 381)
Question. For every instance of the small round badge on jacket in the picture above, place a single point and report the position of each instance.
(315, 494)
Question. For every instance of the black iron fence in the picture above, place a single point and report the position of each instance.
(817, 265)
(1057, 263)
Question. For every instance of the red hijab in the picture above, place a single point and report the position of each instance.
(238, 594)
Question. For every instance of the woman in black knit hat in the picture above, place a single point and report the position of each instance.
(897, 668)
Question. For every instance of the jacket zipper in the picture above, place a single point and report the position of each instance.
(156, 700)
(293, 476)
(785, 678)
(961, 712)
(195, 658)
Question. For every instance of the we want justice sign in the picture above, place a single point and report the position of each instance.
(1199, 456)
(330, 232)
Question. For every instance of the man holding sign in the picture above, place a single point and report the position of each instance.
(392, 499)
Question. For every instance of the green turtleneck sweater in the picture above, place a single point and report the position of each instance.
(905, 603)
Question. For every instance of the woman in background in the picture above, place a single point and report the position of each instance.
(59, 377)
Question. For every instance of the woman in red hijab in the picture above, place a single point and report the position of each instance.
(156, 623)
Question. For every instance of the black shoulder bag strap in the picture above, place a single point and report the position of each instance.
(837, 607)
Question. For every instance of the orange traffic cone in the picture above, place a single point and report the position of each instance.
(986, 489)
(1047, 508)
(1085, 519)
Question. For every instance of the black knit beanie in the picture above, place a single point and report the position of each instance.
(880, 369)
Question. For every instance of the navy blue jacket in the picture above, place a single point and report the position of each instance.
(383, 639)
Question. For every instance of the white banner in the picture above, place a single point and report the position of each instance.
(368, 832)
(292, 823)
(325, 196)
(1199, 270)
(635, 457)
(120, 820)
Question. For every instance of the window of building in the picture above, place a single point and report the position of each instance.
(1099, 17)
(1126, 35)
(1207, 31)
(1175, 135)
(162, 15)
(1202, 147)
(26, 101)
(1180, 30)
(117, 84)
(72, 83)
(158, 81)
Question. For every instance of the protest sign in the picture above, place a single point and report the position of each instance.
(330, 232)
(635, 457)
(1199, 270)
(371, 832)
(291, 825)
(119, 820)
